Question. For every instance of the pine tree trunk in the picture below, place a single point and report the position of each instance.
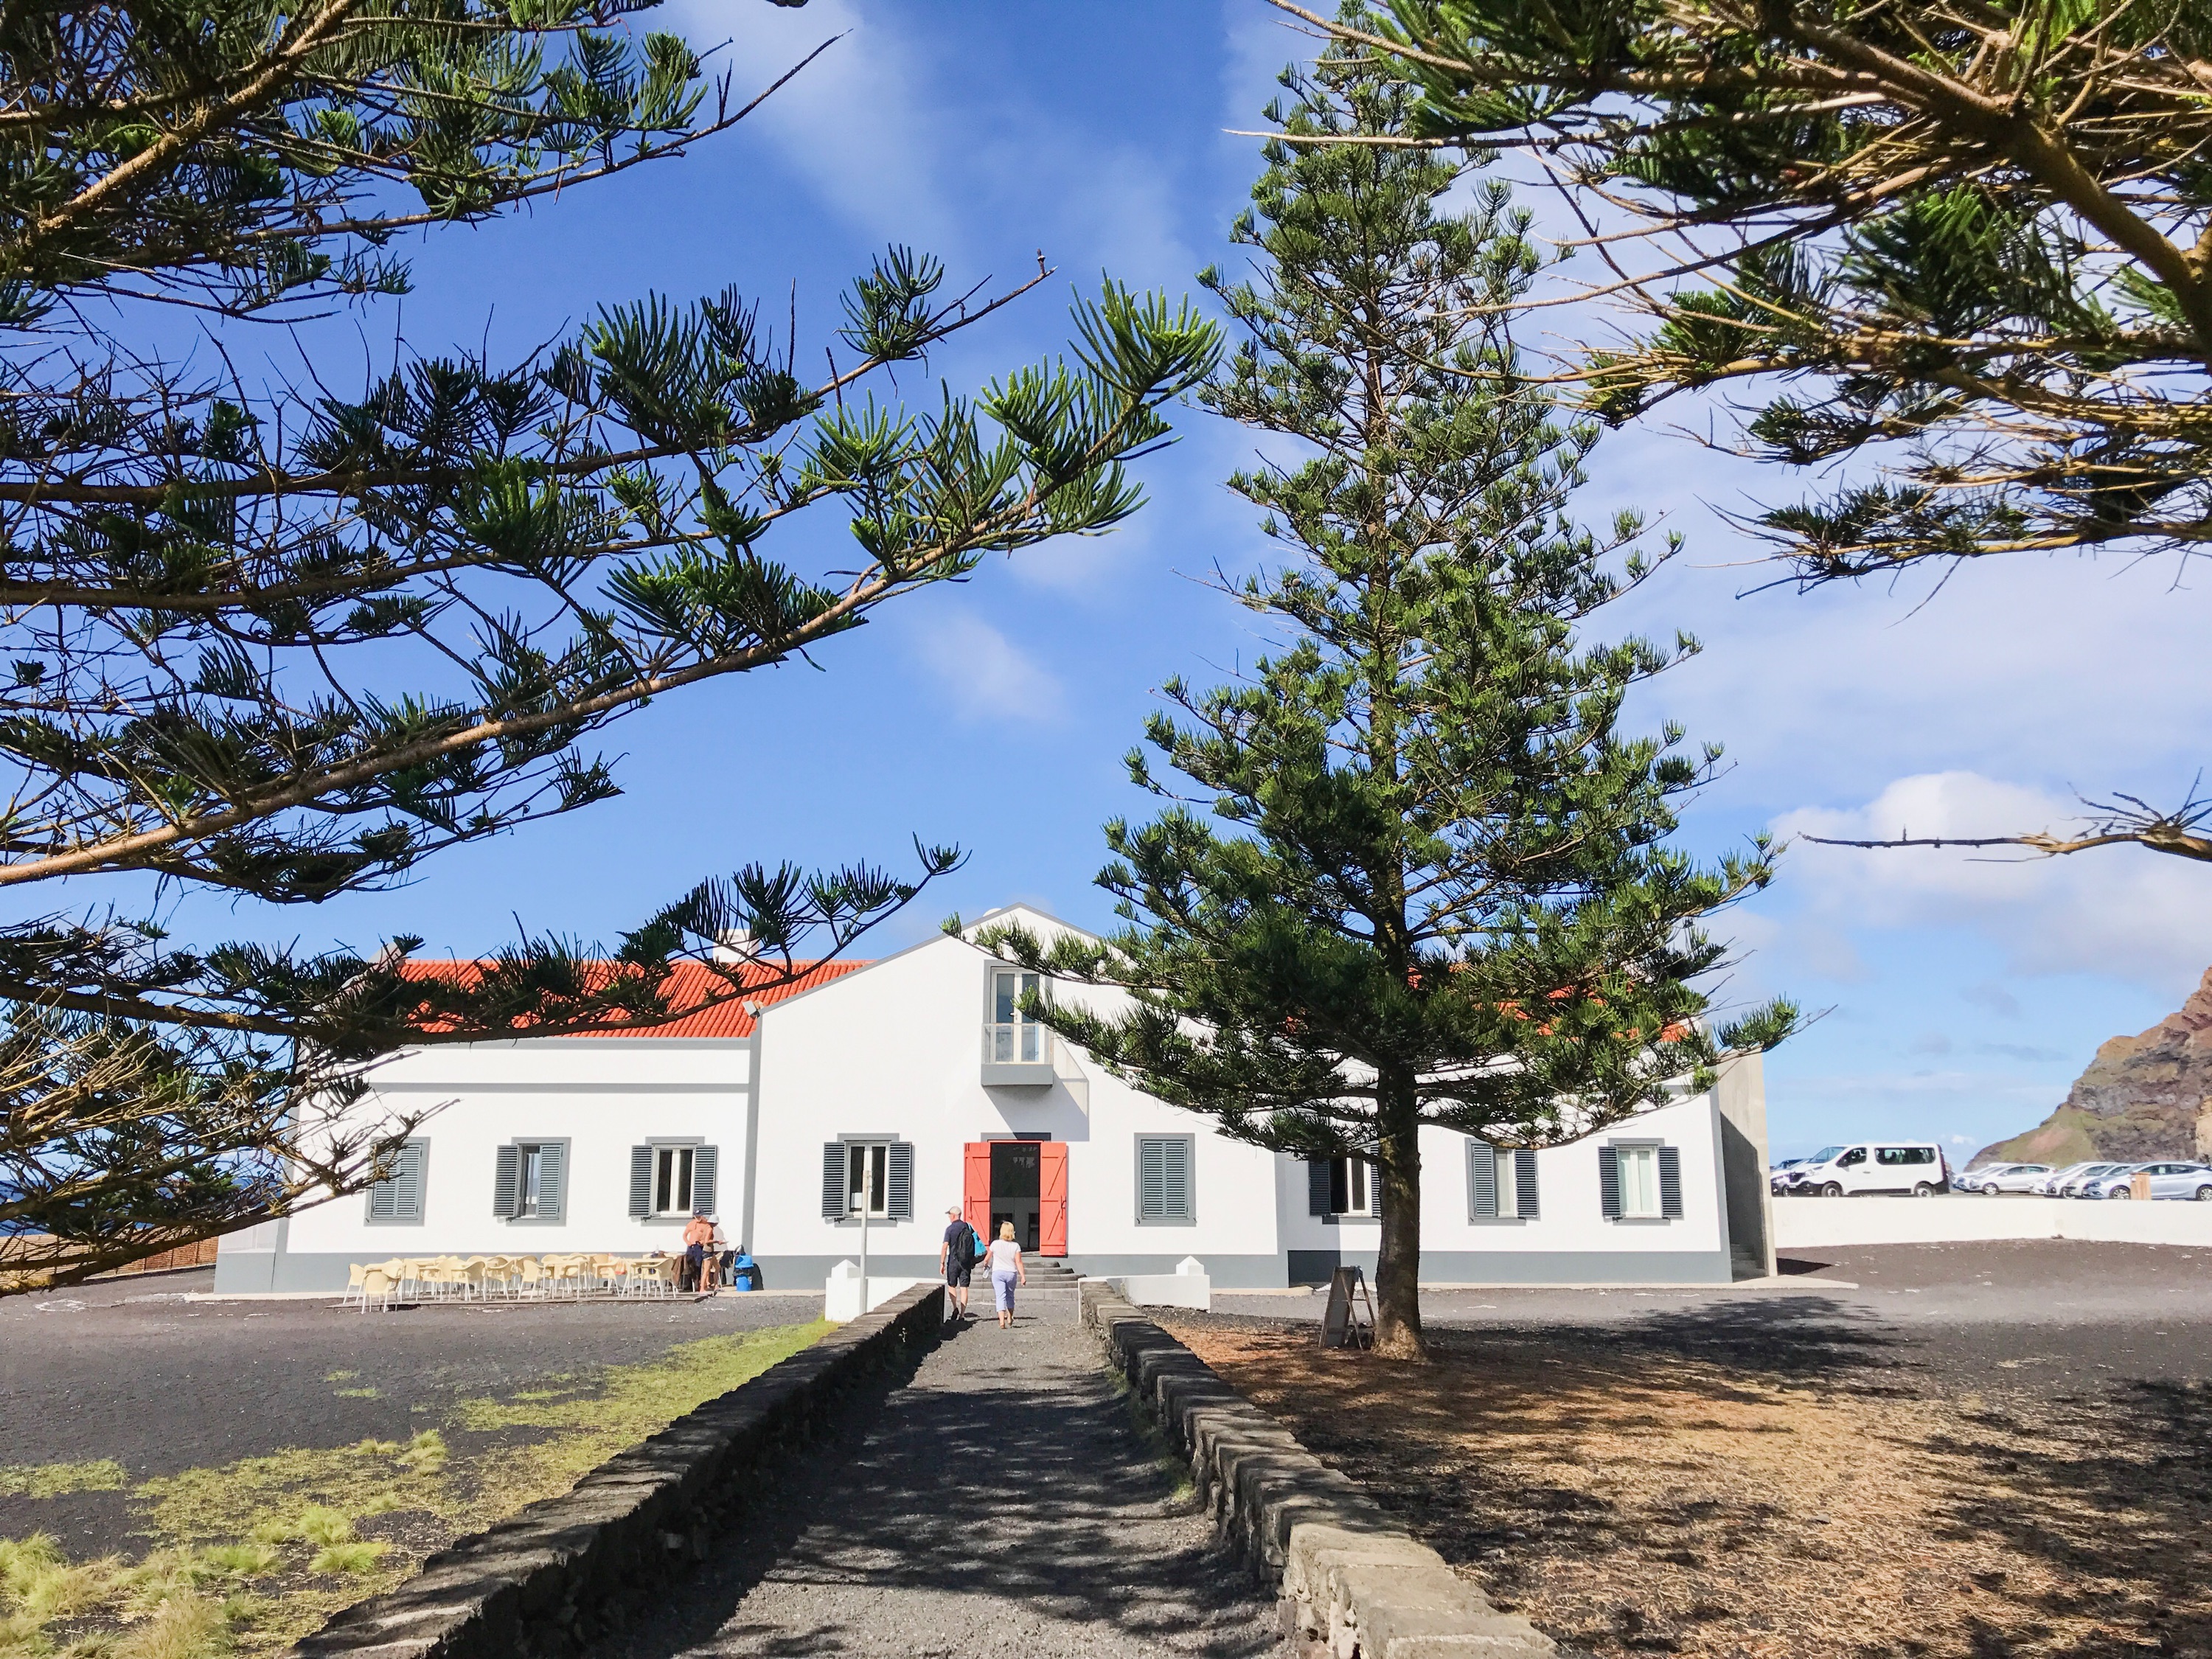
(1398, 1266)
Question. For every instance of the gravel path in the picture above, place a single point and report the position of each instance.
(1001, 1505)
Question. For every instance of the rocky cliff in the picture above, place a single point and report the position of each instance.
(2139, 1098)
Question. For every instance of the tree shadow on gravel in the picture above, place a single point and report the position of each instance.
(2113, 1493)
(1015, 1501)
(1786, 1479)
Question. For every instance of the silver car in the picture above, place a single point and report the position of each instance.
(2048, 1185)
(2078, 1186)
(1995, 1178)
(2167, 1179)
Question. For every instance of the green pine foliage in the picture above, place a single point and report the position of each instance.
(1962, 245)
(286, 642)
(1413, 874)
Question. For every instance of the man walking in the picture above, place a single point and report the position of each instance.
(955, 1260)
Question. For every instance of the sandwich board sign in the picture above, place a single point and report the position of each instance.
(1349, 1322)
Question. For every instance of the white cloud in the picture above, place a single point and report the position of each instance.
(987, 675)
(2135, 915)
(849, 122)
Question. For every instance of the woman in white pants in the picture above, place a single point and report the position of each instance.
(1004, 1259)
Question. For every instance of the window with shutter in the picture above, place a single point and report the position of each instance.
(396, 1201)
(1524, 1184)
(1608, 1182)
(640, 1180)
(1670, 1182)
(1636, 1188)
(1482, 1180)
(1166, 1192)
(877, 1173)
(1318, 1186)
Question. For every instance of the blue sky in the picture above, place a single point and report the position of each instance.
(1961, 996)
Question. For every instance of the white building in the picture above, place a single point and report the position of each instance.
(913, 1079)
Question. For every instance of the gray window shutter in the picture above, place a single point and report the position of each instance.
(1152, 1179)
(384, 1195)
(1608, 1182)
(407, 1181)
(1670, 1182)
(1318, 1186)
(507, 1181)
(1179, 1201)
(834, 1198)
(1481, 1179)
(640, 1180)
(898, 1196)
(1524, 1184)
(703, 1159)
(552, 1182)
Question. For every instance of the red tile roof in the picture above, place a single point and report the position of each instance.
(689, 985)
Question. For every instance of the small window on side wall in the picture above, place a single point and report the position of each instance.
(530, 1182)
(1501, 1183)
(1640, 1181)
(1343, 1186)
(396, 1201)
(669, 1179)
(1166, 1195)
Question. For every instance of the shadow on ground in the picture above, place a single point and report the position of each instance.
(1783, 1478)
(962, 1509)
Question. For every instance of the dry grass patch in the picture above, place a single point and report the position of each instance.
(1633, 1502)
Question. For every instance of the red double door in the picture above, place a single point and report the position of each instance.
(1052, 1192)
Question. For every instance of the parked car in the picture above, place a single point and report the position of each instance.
(2167, 1179)
(1912, 1167)
(2074, 1185)
(1995, 1178)
(2048, 1185)
(1780, 1180)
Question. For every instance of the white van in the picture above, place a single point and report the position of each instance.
(1915, 1168)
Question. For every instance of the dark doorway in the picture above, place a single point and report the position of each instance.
(1015, 1188)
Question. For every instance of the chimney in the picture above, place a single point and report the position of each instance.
(735, 944)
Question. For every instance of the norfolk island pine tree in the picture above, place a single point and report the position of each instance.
(1431, 883)
(287, 643)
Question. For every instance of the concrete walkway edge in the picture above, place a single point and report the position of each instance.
(1352, 1584)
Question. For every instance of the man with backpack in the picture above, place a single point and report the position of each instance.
(956, 1258)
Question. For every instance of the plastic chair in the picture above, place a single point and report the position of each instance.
(529, 1276)
(357, 1279)
(375, 1282)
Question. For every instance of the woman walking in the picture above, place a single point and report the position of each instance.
(1004, 1258)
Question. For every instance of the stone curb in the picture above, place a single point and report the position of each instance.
(1352, 1584)
(554, 1576)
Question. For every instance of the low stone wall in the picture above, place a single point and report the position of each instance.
(1814, 1223)
(1353, 1584)
(547, 1581)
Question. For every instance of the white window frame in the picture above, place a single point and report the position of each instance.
(1644, 1153)
(670, 1197)
(877, 1155)
(1363, 1189)
(1027, 1042)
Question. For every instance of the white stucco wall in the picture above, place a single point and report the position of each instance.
(896, 1049)
(1570, 1237)
(603, 1094)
